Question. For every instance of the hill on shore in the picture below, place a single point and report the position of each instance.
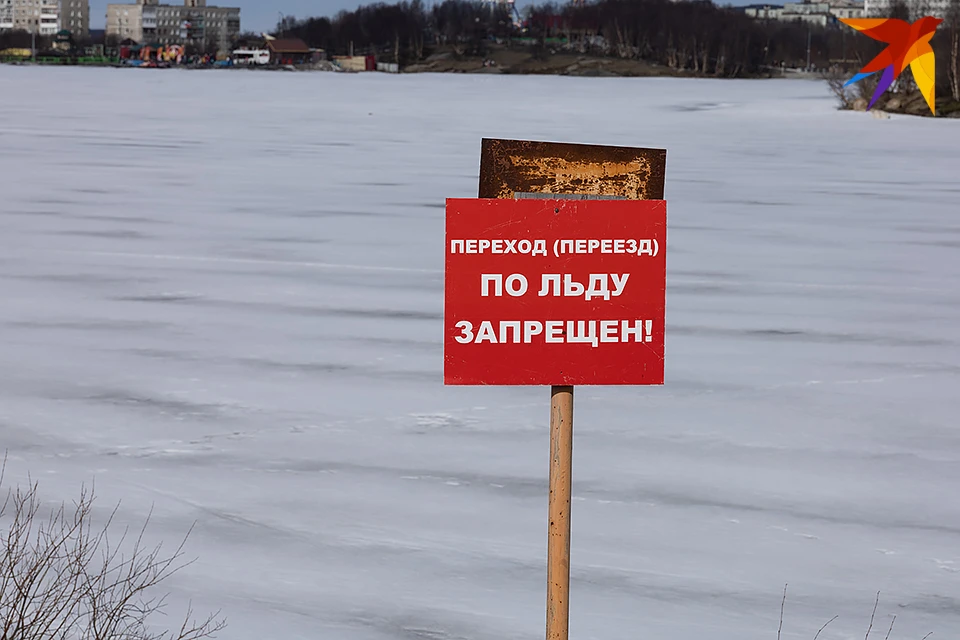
(501, 59)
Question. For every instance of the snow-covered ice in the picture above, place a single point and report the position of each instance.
(222, 298)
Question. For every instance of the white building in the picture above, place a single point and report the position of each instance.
(46, 17)
(918, 8)
(6, 15)
(846, 8)
(764, 11)
(49, 18)
(816, 13)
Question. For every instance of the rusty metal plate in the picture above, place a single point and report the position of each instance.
(525, 168)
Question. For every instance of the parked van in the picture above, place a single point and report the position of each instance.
(251, 56)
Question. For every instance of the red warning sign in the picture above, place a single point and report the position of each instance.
(554, 292)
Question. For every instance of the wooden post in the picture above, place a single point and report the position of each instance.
(525, 169)
(558, 536)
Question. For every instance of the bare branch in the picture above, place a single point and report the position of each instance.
(782, 604)
(824, 627)
(890, 630)
(872, 616)
(61, 577)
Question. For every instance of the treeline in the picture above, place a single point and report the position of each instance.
(406, 30)
(690, 36)
(19, 40)
(22, 39)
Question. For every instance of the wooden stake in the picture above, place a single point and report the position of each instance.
(558, 537)
(527, 168)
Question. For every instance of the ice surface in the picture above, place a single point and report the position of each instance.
(222, 297)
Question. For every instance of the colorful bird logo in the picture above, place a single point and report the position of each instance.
(909, 44)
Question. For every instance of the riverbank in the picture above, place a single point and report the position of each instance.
(524, 61)
(911, 103)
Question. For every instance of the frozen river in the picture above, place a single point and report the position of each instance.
(222, 298)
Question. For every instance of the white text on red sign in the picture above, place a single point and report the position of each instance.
(516, 285)
(556, 331)
(648, 247)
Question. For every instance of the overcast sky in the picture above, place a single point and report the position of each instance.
(262, 15)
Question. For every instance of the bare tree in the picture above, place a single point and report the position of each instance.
(835, 80)
(690, 36)
(62, 577)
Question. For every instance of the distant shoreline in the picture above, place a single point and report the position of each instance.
(570, 65)
(559, 65)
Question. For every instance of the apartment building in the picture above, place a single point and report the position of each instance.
(6, 15)
(918, 8)
(75, 17)
(46, 17)
(36, 16)
(846, 8)
(815, 13)
(193, 22)
(125, 21)
(825, 12)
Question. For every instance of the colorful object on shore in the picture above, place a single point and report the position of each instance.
(909, 44)
(15, 53)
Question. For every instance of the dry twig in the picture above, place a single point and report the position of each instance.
(824, 627)
(782, 604)
(62, 577)
(890, 630)
(872, 616)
